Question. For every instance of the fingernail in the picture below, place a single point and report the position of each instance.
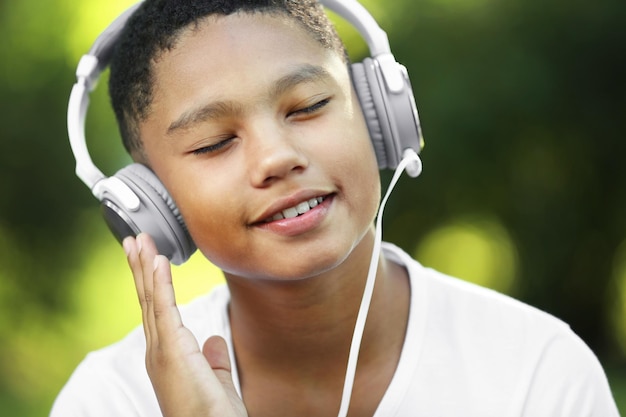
(126, 244)
(139, 245)
(156, 262)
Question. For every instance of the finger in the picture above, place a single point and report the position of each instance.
(216, 353)
(132, 248)
(147, 253)
(166, 315)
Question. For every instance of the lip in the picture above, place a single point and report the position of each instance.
(287, 202)
(295, 225)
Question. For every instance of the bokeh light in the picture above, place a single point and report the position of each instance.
(477, 249)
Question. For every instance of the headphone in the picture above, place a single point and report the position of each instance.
(135, 201)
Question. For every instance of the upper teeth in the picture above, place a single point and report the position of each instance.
(299, 209)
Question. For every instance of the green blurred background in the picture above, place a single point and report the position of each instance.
(523, 106)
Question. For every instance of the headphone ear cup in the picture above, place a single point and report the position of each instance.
(364, 94)
(391, 117)
(157, 214)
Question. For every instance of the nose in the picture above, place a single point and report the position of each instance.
(273, 154)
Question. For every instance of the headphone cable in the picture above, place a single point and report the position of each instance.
(409, 157)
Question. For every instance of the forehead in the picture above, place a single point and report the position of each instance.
(234, 57)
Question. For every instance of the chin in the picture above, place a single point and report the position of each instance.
(298, 265)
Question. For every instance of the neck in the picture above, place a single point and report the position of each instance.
(295, 327)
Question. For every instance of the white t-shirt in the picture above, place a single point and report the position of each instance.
(468, 351)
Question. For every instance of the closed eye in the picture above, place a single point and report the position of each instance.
(214, 147)
(310, 109)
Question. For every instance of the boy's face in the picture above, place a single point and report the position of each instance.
(251, 117)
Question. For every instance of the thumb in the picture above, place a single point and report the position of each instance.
(216, 353)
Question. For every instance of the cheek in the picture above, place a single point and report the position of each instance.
(209, 234)
(356, 137)
(203, 207)
(355, 152)
(355, 169)
(211, 222)
(202, 200)
(366, 175)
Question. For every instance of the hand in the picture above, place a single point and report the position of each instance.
(187, 382)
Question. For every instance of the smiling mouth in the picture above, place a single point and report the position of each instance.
(297, 210)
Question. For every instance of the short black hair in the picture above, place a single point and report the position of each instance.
(156, 26)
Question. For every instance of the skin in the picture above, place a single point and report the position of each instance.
(252, 116)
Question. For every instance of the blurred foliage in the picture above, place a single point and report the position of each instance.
(523, 106)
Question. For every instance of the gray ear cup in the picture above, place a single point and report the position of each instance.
(391, 117)
(362, 87)
(157, 215)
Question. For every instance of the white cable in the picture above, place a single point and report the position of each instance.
(409, 157)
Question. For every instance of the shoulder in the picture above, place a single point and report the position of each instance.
(113, 381)
(463, 304)
(506, 353)
(108, 381)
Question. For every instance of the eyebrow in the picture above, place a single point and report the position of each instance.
(306, 73)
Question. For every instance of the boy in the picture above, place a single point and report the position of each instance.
(246, 113)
